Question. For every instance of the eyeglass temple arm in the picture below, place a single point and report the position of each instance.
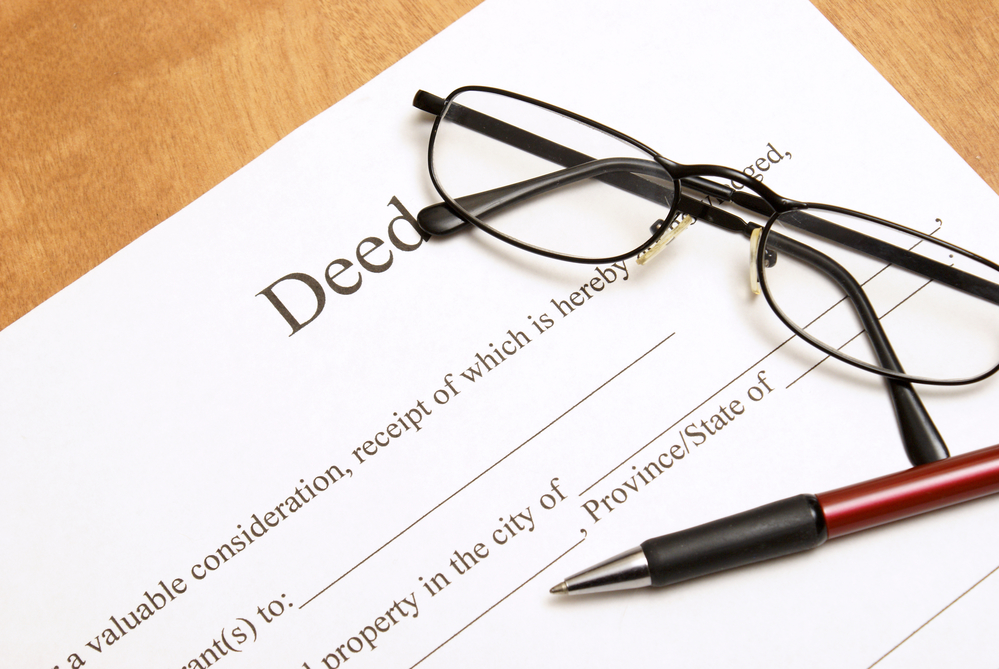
(615, 171)
(623, 172)
(921, 439)
(438, 219)
(942, 273)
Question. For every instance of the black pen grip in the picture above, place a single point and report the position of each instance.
(779, 528)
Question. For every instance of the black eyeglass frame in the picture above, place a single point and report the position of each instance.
(766, 203)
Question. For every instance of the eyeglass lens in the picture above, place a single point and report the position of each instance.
(939, 308)
(605, 207)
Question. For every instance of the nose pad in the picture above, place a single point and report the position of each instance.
(769, 259)
(675, 228)
(754, 250)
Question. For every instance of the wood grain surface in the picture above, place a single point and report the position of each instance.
(114, 114)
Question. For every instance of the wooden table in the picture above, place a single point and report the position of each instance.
(114, 114)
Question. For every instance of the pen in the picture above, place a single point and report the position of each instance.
(792, 525)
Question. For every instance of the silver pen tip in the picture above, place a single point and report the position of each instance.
(560, 589)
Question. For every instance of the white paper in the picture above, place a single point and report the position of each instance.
(157, 408)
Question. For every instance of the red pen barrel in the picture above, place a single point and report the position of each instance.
(911, 492)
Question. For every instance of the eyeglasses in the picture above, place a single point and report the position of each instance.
(557, 184)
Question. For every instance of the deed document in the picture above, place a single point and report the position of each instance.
(284, 430)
